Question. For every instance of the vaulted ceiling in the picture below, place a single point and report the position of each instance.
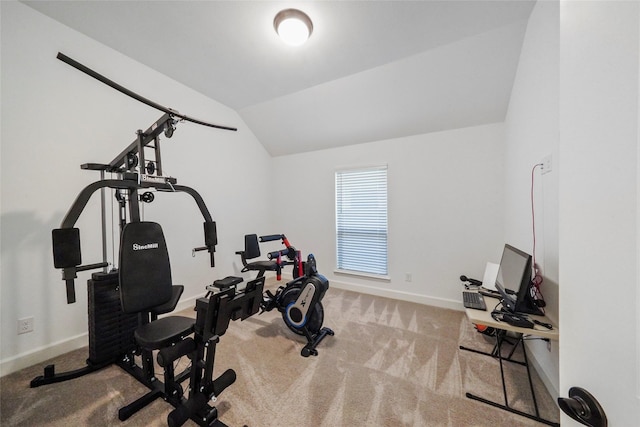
(372, 70)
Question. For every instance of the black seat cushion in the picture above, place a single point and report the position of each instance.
(163, 332)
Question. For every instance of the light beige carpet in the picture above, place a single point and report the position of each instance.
(390, 363)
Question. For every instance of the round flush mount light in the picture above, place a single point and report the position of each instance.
(293, 26)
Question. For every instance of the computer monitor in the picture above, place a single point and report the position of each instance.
(514, 281)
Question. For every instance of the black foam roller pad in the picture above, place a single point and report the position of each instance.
(227, 378)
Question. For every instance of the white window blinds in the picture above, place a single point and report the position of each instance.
(361, 220)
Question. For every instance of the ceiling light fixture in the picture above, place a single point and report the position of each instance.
(293, 26)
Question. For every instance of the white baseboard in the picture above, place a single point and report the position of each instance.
(551, 386)
(44, 353)
(41, 354)
(399, 295)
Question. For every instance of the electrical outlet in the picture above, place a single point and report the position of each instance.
(407, 277)
(546, 164)
(25, 325)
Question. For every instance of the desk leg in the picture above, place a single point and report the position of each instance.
(497, 352)
(512, 410)
(504, 385)
(533, 393)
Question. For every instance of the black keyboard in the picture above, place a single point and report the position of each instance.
(473, 300)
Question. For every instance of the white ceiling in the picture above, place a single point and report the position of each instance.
(372, 70)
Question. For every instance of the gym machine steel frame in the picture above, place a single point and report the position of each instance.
(125, 164)
(119, 346)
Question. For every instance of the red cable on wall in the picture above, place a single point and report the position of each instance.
(537, 278)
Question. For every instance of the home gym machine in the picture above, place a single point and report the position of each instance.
(300, 300)
(123, 326)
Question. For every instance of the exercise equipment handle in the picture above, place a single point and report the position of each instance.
(91, 266)
(290, 252)
(69, 274)
(276, 254)
(271, 237)
(204, 248)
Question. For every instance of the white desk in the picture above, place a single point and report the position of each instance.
(482, 317)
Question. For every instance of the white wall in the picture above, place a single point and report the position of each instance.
(531, 133)
(53, 119)
(598, 238)
(455, 196)
(446, 188)
(445, 209)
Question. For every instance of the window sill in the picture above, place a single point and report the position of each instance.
(364, 275)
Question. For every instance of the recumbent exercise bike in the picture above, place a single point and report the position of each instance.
(300, 300)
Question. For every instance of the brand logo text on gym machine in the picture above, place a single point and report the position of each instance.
(137, 247)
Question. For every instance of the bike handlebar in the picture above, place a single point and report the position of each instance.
(289, 252)
(275, 254)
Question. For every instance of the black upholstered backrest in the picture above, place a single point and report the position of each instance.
(145, 272)
(251, 246)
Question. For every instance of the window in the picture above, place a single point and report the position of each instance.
(361, 220)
